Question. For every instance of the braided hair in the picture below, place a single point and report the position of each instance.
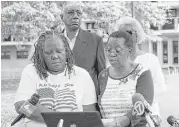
(38, 57)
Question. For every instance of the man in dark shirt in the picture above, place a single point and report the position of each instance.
(87, 47)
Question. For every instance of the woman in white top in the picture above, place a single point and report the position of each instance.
(148, 60)
(62, 86)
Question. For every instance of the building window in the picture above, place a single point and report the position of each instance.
(175, 52)
(154, 45)
(165, 52)
(7, 38)
(91, 25)
(5, 55)
(170, 24)
(172, 13)
(22, 54)
(154, 27)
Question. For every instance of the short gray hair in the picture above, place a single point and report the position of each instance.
(71, 3)
(135, 25)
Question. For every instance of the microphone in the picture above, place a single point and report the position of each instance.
(140, 104)
(172, 121)
(143, 108)
(27, 108)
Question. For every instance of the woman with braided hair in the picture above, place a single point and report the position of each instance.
(39, 61)
(62, 86)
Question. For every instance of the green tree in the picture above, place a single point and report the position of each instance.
(149, 13)
(28, 19)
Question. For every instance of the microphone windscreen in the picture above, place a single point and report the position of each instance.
(34, 99)
(27, 108)
(137, 97)
(171, 119)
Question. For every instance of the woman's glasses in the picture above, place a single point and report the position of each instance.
(119, 51)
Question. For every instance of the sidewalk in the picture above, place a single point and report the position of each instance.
(169, 101)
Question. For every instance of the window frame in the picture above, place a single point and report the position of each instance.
(173, 53)
(155, 47)
(6, 57)
(163, 53)
(22, 55)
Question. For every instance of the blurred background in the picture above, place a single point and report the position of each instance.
(22, 22)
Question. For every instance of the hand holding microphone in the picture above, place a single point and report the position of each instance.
(143, 109)
(27, 108)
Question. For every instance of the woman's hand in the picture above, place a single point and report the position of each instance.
(36, 115)
(18, 106)
(122, 121)
(109, 123)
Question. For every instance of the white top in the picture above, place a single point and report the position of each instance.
(72, 41)
(59, 92)
(150, 61)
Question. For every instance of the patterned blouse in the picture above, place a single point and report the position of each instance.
(117, 98)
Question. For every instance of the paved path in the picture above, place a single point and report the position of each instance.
(169, 101)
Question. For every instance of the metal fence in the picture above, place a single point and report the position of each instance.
(171, 70)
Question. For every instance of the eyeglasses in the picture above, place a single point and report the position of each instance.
(72, 12)
(118, 51)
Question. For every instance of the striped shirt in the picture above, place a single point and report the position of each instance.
(117, 98)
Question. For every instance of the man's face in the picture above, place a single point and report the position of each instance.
(72, 17)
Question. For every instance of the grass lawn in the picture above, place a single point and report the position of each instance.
(169, 102)
(8, 88)
(7, 110)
